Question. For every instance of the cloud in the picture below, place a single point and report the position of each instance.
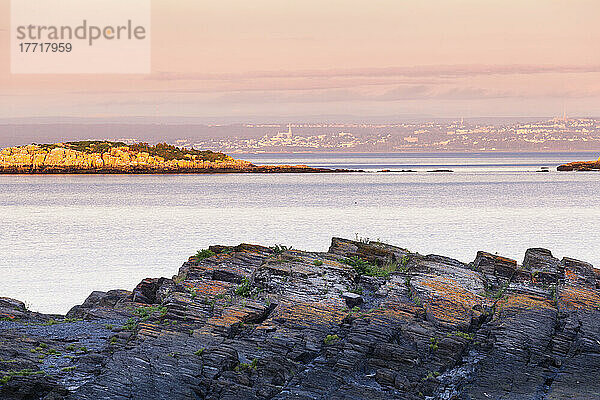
(395, 94)
(376, 84)
(437, 71)
(278, 85)
(399, 94)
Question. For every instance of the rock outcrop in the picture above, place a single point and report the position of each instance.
(118, 158)
(581, 166)
(361, 321)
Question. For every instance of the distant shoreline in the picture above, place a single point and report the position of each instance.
(440, 152)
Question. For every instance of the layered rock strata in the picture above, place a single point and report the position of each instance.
(360, 321)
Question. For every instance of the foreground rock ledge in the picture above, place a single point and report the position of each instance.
(361, 321)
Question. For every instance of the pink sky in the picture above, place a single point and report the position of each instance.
(235, 58)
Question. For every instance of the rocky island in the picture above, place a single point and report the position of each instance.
(103, 157)
(581, 166)
(364, 320)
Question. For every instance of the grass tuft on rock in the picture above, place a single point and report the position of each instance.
(203, 254)
(330, 339)
(244, 289)
(363, 267)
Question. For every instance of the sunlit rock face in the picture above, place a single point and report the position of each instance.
(363, 320)
(45, 159)
(581, 166)
(117, 158)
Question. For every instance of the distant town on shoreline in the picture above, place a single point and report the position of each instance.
(556, 134)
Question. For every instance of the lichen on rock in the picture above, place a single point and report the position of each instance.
(252, 322)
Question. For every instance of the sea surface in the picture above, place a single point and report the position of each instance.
(63, 236)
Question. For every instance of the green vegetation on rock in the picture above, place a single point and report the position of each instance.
(247, 366)
(433, 345)
(144, 313)
(202, 254)
(363, 267)
(164, 150)
(199, 352)
(23, 372)
(244, 289)
(280, 248)
(329, 339)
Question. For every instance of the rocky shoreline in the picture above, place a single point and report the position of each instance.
(364, 320)
(254, 169)
(581, 166)
(101, 157)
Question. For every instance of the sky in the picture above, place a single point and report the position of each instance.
(432, 58)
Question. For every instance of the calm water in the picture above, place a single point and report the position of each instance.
(62, 237)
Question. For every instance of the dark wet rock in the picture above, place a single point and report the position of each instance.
(253, 322)
(580, 272)
(540, 259)
(152, 291)
(494, 265)
(545, 269)
(374, 252)
(352, 299)
(498, 271)
(12, 309)
(109, 304)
